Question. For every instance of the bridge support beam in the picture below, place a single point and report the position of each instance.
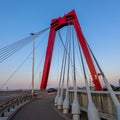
(48, 59)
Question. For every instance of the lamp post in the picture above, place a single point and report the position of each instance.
(32, 34)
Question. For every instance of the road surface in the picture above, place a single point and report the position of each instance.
(40, 109)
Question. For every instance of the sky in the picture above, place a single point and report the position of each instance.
(99, 20)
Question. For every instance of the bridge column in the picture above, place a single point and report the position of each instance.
(48, 58)
(56, 24)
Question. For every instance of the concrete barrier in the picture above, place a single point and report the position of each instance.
(102, 101)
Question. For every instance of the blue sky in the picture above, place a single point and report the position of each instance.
(99, 20)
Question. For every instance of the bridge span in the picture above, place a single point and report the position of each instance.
(41, 106)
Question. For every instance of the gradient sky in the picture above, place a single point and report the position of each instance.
(99, 20)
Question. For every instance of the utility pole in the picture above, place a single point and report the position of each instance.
(33, 49)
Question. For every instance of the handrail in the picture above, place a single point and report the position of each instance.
(11, 103)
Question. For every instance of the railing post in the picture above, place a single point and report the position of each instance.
(57, 96)
(60, 99)
(66, 103)
(75, 105)
(92, 110)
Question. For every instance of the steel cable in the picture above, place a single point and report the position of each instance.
(19, 67)
(15, 71)
(9, 50)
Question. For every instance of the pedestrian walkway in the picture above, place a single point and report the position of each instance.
(40, 109)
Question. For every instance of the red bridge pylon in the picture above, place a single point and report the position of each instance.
(56, 24)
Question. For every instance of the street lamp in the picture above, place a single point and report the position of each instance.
(33, 35)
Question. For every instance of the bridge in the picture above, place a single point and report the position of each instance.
(71, 101)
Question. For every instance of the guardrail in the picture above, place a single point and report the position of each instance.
(102, 101)
(9, 107)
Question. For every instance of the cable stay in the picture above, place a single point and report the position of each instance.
(41, 57)
(74, 64)
(15, 71)
(110, 90)
(58, 98)
(27, 38)
(9, 50)
(64, 46)
(63, 75)
(58, 92)
(68, 69)
(30, 84)
(67, 51)
(66, 103)
(77, 71)
(10, 77)
(39, 63)
(75, 104)
(58, 65)
(92, 110)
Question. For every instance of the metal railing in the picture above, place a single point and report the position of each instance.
(15, 103)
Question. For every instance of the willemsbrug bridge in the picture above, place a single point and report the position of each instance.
(73, 102)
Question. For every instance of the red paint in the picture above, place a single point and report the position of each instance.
(56, 24)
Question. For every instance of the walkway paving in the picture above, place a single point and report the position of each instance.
(40, 109)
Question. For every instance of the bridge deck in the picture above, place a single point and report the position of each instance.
(39, 109)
